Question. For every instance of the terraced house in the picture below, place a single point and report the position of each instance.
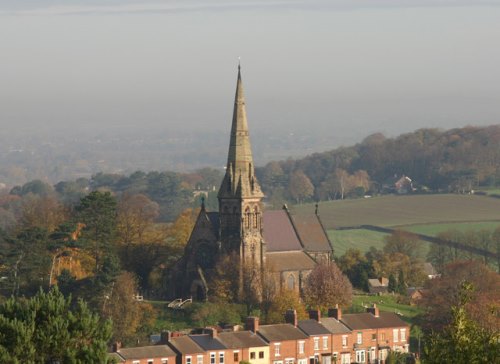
(336, 339)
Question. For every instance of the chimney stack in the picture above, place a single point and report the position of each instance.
(212, 331)
(252, 324)
(291, 317)
(117, 346)
(336, 313)
(165, 336)
(373, 310)
(315, 315)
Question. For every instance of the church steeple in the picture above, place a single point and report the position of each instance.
(240, 180)
(240, 195)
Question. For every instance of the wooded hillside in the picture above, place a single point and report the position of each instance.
(456, 160)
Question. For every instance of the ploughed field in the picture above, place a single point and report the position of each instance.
(423, 214)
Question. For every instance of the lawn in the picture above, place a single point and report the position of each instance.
(390, 211)
(386, 303)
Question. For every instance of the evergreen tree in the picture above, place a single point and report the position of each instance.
(45, 329)
(393, 284)
(401, 288)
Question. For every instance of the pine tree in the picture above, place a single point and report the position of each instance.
(46, 329)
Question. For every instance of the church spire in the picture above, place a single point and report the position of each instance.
(239, 180)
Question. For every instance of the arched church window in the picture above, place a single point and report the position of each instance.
(290, 282)
(255, 217)
(247, 217)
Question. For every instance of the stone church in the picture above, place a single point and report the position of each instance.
(290, 245)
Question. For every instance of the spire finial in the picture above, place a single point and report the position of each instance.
(239, 64)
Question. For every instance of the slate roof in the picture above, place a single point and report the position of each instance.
(334, 326)
(184, 345)
(374, 282)
(289, 261)
(312, 327)
(311, 233)
(142, 352)
(241, 339)
(278, 232)
(280, 332)
(207, 342)
(360, 321)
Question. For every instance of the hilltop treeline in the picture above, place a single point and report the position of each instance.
(455, 160)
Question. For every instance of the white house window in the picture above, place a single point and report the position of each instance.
(359, 338)
(150, 361)
(212, 358)
(136, 362)
(360, 356)
(403, 334)
(316, 343)
(302, 361)
(301, 347)
(199, 359)
(164, 360)
(395, 335)
(325, 342)
(221, 358)
(188, 360)
(289, 361)
(277, 349)
(344, 341)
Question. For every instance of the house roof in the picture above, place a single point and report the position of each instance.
(241, 339)
(312, 327)
(207, 342)
(278, 232)
(185, 345)
(156, 351)
(334, 326)
(374, 282)
(289, 261)
(359, 321)
(311, 232)
(281, 332)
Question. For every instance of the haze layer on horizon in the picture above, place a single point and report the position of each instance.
(345, 68)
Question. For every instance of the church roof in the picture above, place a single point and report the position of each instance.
(311, 233)
(278, 232)
(289, 261)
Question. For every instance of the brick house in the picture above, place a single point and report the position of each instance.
(320, 338)
(246, 346)
(215, 351)
(341, 336)
(375, 333)
(287, 343)
(157, 354)
(188, 352)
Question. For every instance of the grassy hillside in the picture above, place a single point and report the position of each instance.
(394, 211)
(356, 238)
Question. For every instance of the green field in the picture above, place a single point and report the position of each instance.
(357, 238)
(434, 229)
(390, 211)
(386, 303)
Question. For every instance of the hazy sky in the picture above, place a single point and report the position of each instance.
(342, 67)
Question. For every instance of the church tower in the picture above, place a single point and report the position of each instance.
(240, 195)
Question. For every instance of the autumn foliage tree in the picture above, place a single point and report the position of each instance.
(326, 286)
